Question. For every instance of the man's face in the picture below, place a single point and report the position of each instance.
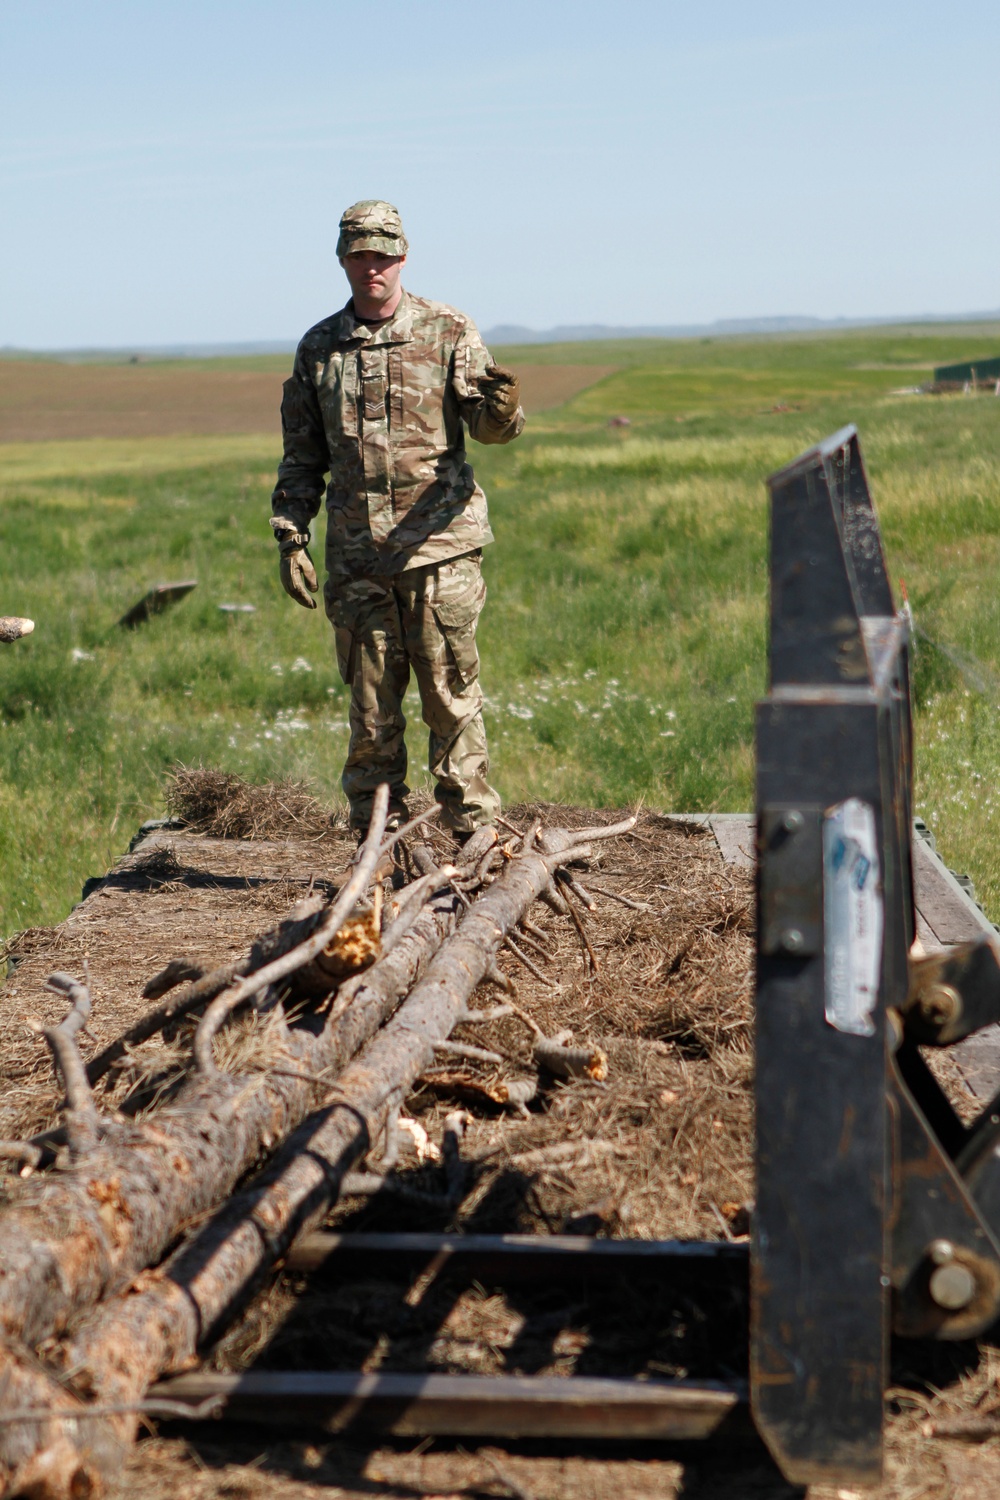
(374, 277)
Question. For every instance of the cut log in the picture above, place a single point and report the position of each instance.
(69, 1240)
(557, 1055)
(168, 1314)
(13, 627)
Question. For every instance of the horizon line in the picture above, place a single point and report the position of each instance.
(516, 333)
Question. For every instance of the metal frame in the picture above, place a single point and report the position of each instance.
(874, 1202)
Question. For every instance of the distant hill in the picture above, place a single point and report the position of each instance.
(127, 352)
(513, 333)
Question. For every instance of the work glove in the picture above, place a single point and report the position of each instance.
(501, 390)
(297, 572)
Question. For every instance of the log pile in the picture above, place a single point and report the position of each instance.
(104, 1283)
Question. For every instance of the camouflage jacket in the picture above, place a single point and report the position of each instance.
(384, 412)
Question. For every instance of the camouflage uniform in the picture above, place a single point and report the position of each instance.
(383, 410)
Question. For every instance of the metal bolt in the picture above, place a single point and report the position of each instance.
(941, 1252)
(792, 940)
(940, 1004)
(793, 821)
(953, 1286)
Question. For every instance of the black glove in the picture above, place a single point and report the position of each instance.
(297, 571)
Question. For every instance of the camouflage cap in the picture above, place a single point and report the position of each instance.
(371, 225)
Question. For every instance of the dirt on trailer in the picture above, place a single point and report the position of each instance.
(657, 980)
(45, 400)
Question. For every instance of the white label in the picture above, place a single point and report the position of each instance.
(852, 916)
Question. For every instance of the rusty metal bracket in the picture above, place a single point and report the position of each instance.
(832, 737)
(790, 858)
(878, 1210)
(953, 993)
(945, 1268)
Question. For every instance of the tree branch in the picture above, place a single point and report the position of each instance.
(81, 1115)
(280, 968)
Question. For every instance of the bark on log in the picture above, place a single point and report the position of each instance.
(71, 1239)
(168, 1313)
(13, 627)
(555, 1054)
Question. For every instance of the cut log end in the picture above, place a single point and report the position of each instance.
(13, 628)
(58, 1473)
(556, 1056)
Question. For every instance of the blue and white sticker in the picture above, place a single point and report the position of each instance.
(853, 916)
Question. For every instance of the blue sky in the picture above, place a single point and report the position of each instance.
(174, 172)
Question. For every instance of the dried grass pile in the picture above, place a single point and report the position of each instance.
(224, 806)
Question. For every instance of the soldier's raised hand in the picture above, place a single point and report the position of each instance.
(501, 390)
(297, 572)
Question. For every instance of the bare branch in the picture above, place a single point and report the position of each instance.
(281, 967)
(523, 937)
(565, 878)
(181, 1003)
(417, 892)
(542, 938)
(81, 1114)
(455, 1169)
(429, 814)
(625, 900)
(511, 827)
(553, 900)
(154, 1407)
(480, 1017)
(29, 1155)
(532, 968)
(529, 1021)
(528, 841)
(181, 970)
(561, 840)
(463, 1049)
(585, 940)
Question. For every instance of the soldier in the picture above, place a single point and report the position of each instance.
(379, 399)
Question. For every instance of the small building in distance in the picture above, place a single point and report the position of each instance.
(973, 373)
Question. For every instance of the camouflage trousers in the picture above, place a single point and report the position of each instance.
(424, 618)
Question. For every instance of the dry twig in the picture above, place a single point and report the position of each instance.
(82, 1124)
(224, 1004)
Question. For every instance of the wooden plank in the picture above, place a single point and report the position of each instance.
(978, 1057)
(736, 836)
(927, 937)
(505, 1406)
(941, 901)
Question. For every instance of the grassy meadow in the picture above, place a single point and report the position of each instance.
(625, 634)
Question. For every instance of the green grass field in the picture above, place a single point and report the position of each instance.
(624, 638)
